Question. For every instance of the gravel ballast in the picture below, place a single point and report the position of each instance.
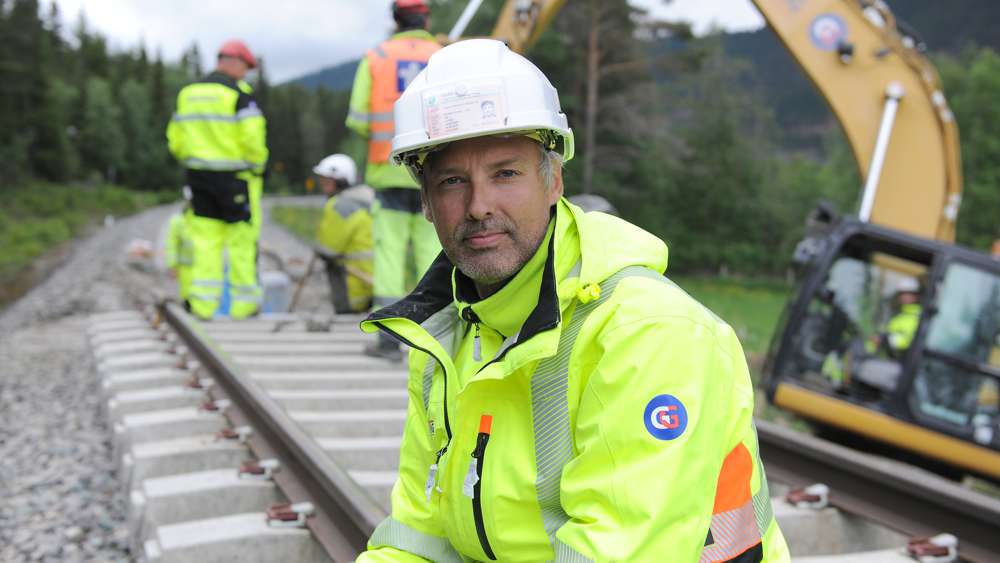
(60, 499)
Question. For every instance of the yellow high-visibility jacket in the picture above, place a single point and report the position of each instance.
(218, 126)
(903, 326)
(346, 229)
(590, 410)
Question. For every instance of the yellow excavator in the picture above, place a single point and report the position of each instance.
(893, 333)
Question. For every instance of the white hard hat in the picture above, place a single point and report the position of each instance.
(338, 167)
(475, 88)
(907, 285)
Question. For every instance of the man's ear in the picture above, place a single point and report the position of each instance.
(425, 205)
(557, 185)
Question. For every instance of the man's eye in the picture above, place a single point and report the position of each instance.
(507, 173)
(450, 181)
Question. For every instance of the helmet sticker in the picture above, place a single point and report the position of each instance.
(457, 109)
(665, 417)
(828, 31)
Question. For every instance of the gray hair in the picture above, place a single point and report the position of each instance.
(550, 162)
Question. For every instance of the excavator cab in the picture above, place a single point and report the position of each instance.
(895, 338)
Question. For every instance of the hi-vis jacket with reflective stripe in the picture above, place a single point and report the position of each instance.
(346, 229)
(590, 410)
(381, 77)
(218, 126)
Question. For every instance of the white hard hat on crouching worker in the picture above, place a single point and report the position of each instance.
(338, 167)
(477, 88)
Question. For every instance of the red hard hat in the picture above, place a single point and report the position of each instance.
(413, 6)
(238, 49)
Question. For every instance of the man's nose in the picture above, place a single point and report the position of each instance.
(480, 205)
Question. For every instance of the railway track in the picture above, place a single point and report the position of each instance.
(266, 440)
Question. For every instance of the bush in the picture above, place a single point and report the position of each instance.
(36, 218)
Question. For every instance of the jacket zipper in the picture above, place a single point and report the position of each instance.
(471, 317)
(447, 423)
(433, 470)
(479, 454)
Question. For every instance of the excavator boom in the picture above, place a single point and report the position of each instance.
(522, 22)
(862, 64)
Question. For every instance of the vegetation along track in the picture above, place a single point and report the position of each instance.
(216, 422)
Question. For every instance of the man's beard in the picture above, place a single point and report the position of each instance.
(494, 265)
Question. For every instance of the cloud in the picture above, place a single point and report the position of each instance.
(294, 37)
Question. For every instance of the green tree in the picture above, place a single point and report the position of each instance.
(140, 153)
(973, 82)
(102, 143)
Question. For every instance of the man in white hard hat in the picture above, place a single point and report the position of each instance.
(567, 402)
(346, 231)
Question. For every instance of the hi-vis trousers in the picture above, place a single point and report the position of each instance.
(221, 220)
(398, 222)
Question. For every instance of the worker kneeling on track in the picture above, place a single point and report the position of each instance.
(567, 401)
(346, 232)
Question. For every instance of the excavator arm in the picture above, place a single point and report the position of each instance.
(522, 22)
(888, 99)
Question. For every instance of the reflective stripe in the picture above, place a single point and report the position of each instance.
(247, 113)
(211, 284)
(550, 408)
(382, 116)
(203, 297)
(428, 380)
(733, 532)
(217, 164)
(381, 135)
(393, 533)
(762, 500)
(206, 117)
(358, 115)
(566, 554)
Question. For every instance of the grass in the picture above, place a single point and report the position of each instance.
(751, 307)
(301, 221)
(37, 218)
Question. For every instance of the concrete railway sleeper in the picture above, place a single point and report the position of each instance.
(265, 441)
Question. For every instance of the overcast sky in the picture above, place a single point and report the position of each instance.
(300, 36)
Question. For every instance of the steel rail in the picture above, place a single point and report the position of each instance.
(345, 515)
(898, 496)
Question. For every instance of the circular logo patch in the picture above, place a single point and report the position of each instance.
(665, 417)
(827, 31)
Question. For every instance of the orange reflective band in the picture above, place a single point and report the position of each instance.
(734, 524)
(733, 489)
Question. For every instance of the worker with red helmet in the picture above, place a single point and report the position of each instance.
(218, 134)
(397, 219)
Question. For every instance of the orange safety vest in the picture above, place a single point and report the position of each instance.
(393, 65)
